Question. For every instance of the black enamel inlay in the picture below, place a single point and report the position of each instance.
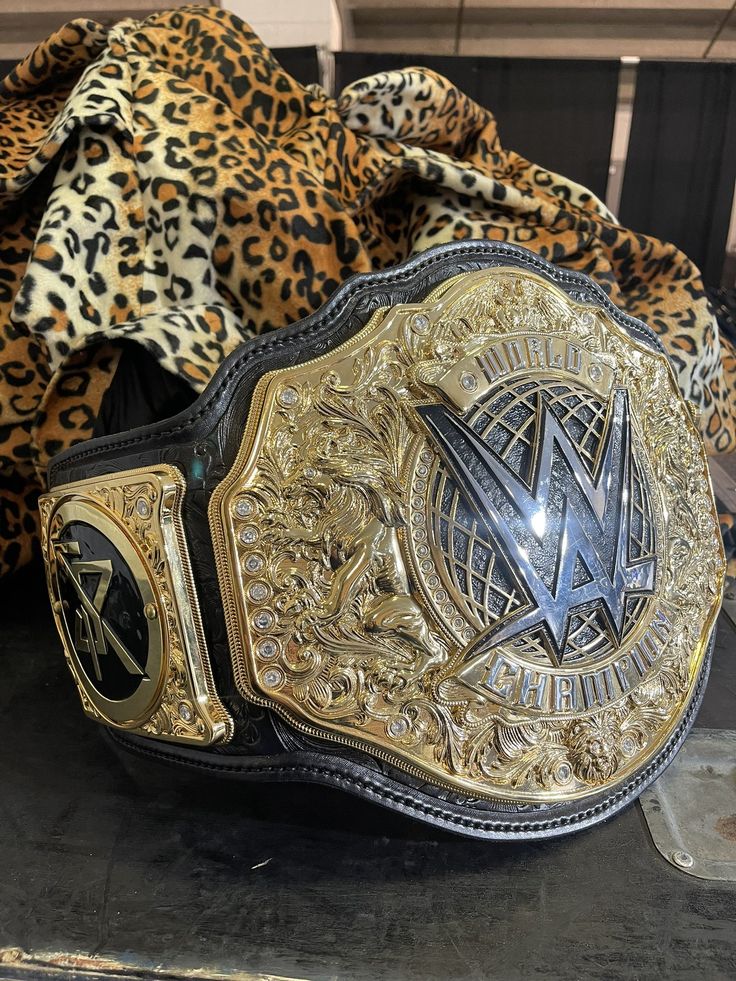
(122, 611)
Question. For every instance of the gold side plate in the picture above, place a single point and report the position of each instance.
(125, 605)
(348, 561)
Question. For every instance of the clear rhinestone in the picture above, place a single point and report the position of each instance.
(185, 712)
(468, 635)
(419, 534)
(628, 746)
(420, 486)
(417, 502)
(426, 456)
(458, 623)
(263, 620)
(433, 582)
(420, 323)
(398, 728)
(426, 565)
(423, 550)
(267, 649)
(244, 508)
(418, 518)
(254, 563)
(595, 372)
(310, 473)
(272, 678)
(248, 535)
(143, 507)
(422, 471)
(468, 381)
(449, 611)
(258, 592)
(288, 396)
(563, 773)
(586, 319)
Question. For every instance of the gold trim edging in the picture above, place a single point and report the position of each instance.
(414, 715)
(140, 512)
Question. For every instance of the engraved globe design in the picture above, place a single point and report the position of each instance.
(482, 583)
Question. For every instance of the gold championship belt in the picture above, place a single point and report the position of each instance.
(449, 544)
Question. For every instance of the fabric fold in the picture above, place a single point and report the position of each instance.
(166, 182)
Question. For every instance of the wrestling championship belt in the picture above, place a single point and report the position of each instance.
(449, 544)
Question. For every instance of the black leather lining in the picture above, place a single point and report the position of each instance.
(141, 393)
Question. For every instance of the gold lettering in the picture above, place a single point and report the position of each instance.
(597, 688)
(491, 365)
(554, 360)
(565, 693)
(574, 360)
(515, 355)
(622, 667)
(534, 684)
(661, 625)
(500, 678)
(93, 634)
(535, 352)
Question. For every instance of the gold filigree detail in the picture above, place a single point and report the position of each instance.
(319, 540)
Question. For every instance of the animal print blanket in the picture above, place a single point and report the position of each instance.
(166, 182)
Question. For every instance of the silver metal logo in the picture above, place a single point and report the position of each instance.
(565, 533)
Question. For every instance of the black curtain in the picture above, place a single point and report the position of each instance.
(681, 165)
(301, 63)
(559, 114)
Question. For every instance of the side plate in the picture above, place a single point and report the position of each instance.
(124, 602)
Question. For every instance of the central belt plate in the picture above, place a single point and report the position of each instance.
(477, 540)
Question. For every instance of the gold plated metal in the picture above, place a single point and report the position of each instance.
(124, 603)
(362, 593)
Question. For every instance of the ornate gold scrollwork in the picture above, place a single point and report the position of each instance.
(359, 583)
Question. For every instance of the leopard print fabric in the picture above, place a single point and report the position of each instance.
(166, 181)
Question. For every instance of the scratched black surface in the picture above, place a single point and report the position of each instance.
(145, 867)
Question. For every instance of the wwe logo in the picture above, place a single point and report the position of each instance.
(565, 535)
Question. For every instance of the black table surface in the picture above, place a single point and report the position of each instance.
(107, 869)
